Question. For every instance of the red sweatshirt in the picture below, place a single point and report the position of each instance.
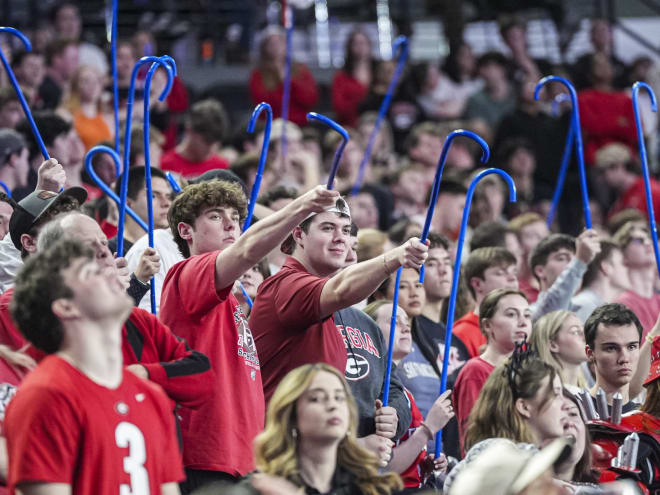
(185, 375)
(304, 94)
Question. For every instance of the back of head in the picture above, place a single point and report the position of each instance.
(371, 243)
(549, 245)
(489, 234)
(208, 119)
(38, 284)
(494, 414)
(611, 314)
(195, 198)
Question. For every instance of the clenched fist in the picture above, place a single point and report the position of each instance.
(51, 176)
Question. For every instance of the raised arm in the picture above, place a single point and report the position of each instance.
(353, 284)
(267, 234)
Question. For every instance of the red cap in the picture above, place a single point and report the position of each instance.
(654, 372)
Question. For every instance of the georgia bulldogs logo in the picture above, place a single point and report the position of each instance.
(7, 393)
(357, 367)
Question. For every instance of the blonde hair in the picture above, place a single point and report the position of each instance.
(545, 331)
(276, 449)
(494, 414)
(371, 243)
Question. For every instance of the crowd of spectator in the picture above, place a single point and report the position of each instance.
(263, 367)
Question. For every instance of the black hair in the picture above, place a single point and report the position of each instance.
(614, 314)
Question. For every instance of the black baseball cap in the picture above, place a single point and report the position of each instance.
(32, 207)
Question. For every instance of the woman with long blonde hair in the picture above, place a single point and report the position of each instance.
(558, 339)
(310, 438)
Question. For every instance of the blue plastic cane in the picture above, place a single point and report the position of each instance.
(286, 90)
(401, 44)
(388, 371)
(565, 160)
(262, 158)
(17, 88)
(169, 65)
(575, 122)
(113, 58)
(7, 190)
(485, 155)
(645, 163)
(147, 161)
(340, 149)
(457, 274)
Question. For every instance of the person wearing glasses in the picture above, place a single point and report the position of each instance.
(635, 243)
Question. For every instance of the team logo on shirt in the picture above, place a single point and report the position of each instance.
(357, 367)
(246, 347)
(7, 393)
(121, 408)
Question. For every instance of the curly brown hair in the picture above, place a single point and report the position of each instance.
(196, 198)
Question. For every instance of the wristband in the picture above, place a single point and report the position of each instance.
(428, 431)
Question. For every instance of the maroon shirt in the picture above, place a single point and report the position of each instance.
(288, 327)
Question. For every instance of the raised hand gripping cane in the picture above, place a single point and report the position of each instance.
(575, 124)
(169, 65)
(565, 160)
(147, 159)
(17, 88)
(254, 194)
(645, 164)
(457, 274)
(485, 155)
(340, 149)
(401, 43)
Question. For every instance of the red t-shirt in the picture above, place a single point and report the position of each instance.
(646, 309)
(218, 435)
(10, 378)
(412, 476)
(529, 290)
(635, 197)
(468, 331)
(303, 96)
(288, 327)
(174, 162)
(347, 94)
(64, 428)
(469, 383)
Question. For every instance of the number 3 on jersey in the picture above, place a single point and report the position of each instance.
(127, 435)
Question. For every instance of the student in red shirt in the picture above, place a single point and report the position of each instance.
(267, 79)
(149, 349)
(350, 84)
(197, 304)
(505, 319)
(292, 317)
(639, 259)
(486, 269)
(81, 423)
(206, 127)
(622, 174)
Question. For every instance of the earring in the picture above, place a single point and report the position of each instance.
(294, 432)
